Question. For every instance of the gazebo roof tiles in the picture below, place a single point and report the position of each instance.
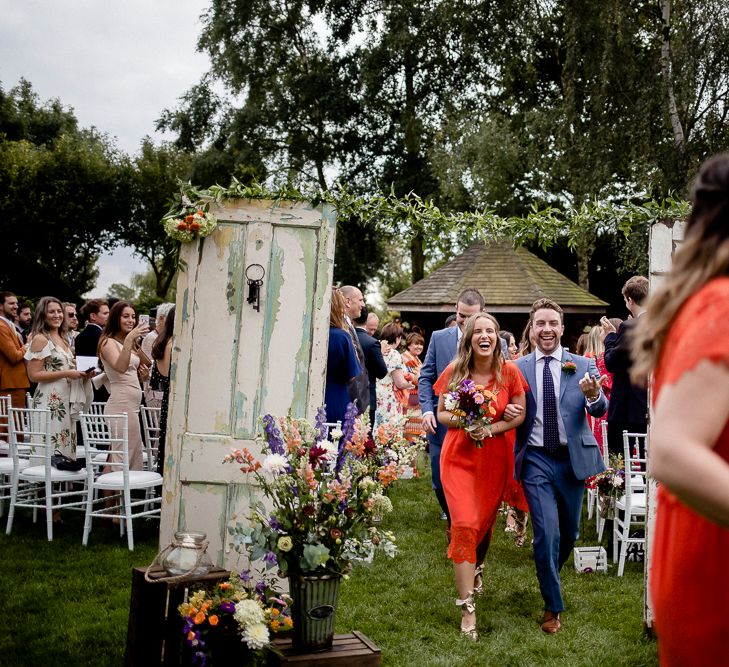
(510, 279)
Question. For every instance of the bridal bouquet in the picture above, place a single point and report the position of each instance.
(473, 404)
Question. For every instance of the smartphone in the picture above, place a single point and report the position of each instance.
(144, 319)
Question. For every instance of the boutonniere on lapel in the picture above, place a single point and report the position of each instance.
(569, 367)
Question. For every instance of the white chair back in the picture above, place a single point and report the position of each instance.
(36, 484)
(112, 431)
(97, 408)
(634, 447)
(605, 450)
(106, 432)
(332, 426)
(151, 432)
(4, 428)
(30, 438)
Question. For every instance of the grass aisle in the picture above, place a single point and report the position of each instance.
(406, 605)
(65, 604)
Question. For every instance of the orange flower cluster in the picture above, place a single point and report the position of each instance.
(245, 457)
(388, 474)
(190, 222)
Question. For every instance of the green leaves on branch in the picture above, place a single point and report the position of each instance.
(409, 216)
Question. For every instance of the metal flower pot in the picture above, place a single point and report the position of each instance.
(313, 611)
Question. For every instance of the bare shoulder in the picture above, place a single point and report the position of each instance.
(39, 342)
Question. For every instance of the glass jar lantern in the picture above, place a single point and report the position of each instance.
(188, 555)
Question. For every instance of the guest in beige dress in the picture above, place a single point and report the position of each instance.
(124, 363)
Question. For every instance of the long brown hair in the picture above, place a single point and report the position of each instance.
(39, 325)
(463, 364)
(703, 256)
(113, 324)
(336, 314)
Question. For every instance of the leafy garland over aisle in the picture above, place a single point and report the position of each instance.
(409, 215)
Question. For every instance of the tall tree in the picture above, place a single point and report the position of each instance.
(153, 177)
(61, 197)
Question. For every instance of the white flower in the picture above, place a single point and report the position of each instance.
(336, 433)
(248, 612)
(256, 636)
(275, 464)
(450, 402)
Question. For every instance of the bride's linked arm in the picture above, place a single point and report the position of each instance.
(689, 417)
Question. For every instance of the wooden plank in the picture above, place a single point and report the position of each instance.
(347, 650)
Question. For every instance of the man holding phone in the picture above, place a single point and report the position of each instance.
(555, 449)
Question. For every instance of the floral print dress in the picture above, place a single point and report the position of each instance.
(64, 398)
(389, 409)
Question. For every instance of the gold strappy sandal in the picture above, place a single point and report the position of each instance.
(468, 606)
(478, 580)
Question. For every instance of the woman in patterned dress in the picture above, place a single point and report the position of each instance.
(62, 389)
(389, 408)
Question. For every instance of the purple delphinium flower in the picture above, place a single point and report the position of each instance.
(350, 414)
(261, 588)
(319, 423)
(275, 524)
(270, 558)
(227, 607)
(245, 576)
(273, 435)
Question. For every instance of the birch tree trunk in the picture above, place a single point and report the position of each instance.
(667, 71)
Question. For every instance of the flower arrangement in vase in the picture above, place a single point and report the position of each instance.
(321, 494)
(609, 485)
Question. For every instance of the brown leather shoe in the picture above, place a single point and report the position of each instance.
(551, 623)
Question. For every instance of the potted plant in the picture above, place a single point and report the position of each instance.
(321, 497)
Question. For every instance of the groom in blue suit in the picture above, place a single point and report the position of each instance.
(555, 449)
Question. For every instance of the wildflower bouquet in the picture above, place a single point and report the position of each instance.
(321, 497)
(473, 404)
(237, 613)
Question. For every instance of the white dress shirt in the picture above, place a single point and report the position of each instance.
(536, 437)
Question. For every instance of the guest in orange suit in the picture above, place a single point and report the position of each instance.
(13, 376)
(689, 443)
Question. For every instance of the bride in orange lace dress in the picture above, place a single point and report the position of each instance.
(474, 477)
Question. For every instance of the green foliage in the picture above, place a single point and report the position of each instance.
(62, 197)
(153, 177)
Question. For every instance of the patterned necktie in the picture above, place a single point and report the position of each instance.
(549, 411)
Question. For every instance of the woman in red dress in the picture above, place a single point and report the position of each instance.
(683, 338)
(474, 477)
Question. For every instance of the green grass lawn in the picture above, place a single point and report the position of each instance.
(65, 604)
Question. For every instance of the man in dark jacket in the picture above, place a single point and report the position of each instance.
(628, 407)
(374, 362)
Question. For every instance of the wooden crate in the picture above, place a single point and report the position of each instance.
(154, 635)
(347, 651)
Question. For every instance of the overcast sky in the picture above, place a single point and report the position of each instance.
(118, 64)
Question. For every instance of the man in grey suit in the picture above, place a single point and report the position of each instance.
(555, 449)
(441, 351)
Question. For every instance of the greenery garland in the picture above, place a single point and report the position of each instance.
(410, 215)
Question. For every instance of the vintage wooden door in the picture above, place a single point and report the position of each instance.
(232, 363)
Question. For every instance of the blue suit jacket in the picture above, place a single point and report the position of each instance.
(584, 451)
(441, 351)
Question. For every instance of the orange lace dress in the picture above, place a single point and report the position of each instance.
(474, 479)
(689, 580)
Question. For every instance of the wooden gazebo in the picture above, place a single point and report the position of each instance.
(509, 278)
